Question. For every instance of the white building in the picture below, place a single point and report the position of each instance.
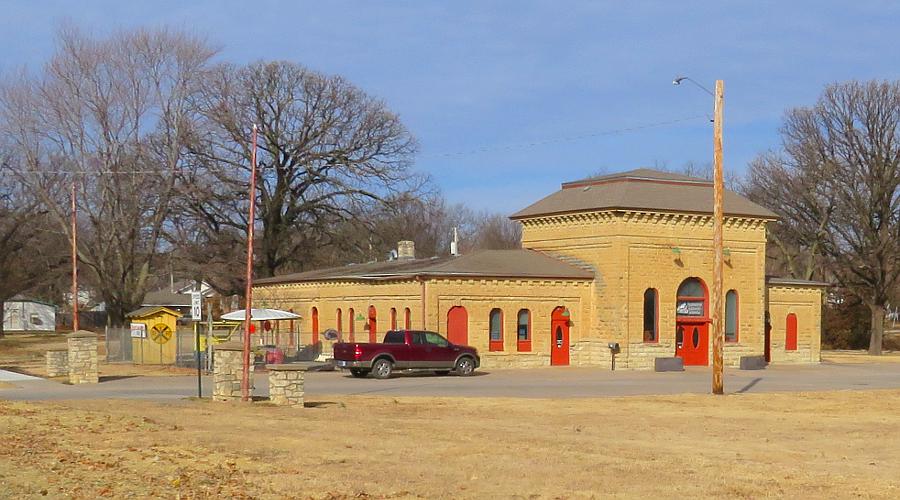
(21, 314)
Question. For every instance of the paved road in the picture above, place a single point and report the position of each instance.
(550, 382)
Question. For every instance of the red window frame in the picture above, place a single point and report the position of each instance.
(350, 316)
(373, 324)
(495, 345)
(737, 317)
(655, 316)
(790, 332)
(523, 345)
(393, 318)
(339, 320)
(315, 325)
(408, 318)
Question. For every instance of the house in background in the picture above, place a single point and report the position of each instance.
(21, 314)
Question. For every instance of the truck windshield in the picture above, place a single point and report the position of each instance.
(394, 338)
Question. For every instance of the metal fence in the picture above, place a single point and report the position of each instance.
(118, 344)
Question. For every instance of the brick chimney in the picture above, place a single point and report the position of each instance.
(406, 249)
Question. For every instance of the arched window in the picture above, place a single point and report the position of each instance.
(523, 330)
(731, 316)
(691, 299)
(393, 318)
(351, 321)
(373, 325)
(790, 333)
(496, 330)
(651, 319)
(338, 321)
(407, 318)
(315, 325)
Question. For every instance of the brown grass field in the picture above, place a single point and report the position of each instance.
(812, 445)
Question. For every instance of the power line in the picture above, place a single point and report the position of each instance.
(556, 140)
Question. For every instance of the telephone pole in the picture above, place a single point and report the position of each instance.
(74, 260)
(245, 376)
(718, 246)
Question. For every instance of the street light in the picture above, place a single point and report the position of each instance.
(718, 223)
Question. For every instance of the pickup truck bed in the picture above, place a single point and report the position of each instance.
(405, 350)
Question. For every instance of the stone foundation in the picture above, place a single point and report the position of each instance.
(57, 363)
(228, 372)
(82, 358)
(286, 384)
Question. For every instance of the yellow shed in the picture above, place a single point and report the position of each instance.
(153, 336)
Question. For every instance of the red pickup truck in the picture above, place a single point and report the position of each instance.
(406, 350)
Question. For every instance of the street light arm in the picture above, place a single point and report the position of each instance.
(679, 79)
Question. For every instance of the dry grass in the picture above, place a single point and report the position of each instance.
(847, 356)
(27, 353)
(815, 445)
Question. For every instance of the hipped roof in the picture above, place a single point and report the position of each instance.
(483, 263)
(642, 189)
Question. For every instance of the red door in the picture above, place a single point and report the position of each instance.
(315, 325)
(790, 333)
(373, 325)
(692, 343)
(458, 325)
(559, 336)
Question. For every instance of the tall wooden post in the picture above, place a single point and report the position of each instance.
(245, 376)
(718, 246)
(75, 325)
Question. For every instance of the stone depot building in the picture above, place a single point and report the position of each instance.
(623, 258)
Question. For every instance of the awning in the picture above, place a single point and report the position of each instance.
(260, 315)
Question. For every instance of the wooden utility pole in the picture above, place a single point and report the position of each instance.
(718, 331)
(75, 325)
(245, 376)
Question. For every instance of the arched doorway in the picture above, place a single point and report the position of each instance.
(315, 325)
(559, 337)
(373, 325)
(692, 322)
(458, 325)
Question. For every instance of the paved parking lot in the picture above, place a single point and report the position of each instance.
(549, 382)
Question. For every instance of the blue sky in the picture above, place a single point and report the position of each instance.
(508, 99)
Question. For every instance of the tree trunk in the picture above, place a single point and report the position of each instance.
(877, 329)
(2, 316)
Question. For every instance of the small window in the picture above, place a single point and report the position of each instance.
(407, 318)
(315, 325)
(731, 316)
(496, 330)
(350, 323)
(436, 340)
(36, 320)
(393, 318)
(523, 330)
(651, 322)
(339, 321)
(691, 288)
(394, 338)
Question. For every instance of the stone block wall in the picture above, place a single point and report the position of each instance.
(82, 358)
(286, 385)
(228, 372)
(57, 363)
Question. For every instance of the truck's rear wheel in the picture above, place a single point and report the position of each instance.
(359, 372)
(465, 366)
(382, 368)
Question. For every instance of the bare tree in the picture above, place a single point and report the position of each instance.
(30, 253)
(113, 114)
(326, 149)
(836, 185)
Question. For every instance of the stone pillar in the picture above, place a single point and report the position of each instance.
(286, 384)
(82, 357)
(57, 363)
(227, 372)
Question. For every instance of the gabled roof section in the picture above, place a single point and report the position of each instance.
(150, 310)
(483, 263)
(642, 189)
